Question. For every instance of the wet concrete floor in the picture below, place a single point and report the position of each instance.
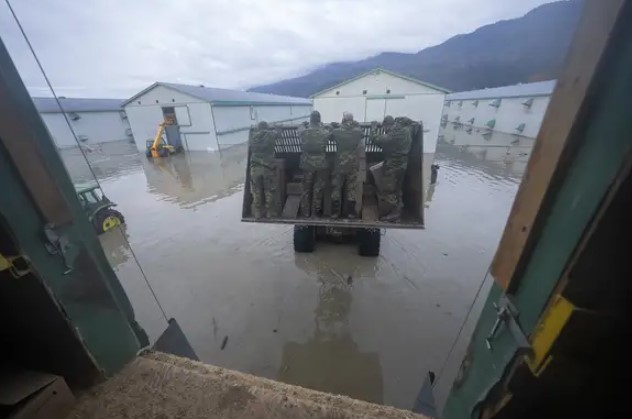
(332, 320)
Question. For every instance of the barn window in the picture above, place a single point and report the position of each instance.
(364, 92)
(173, 100)
(337, 92)
(157, 101)
(528, 103)
(475, 103)
(74, 116)
(495, 103)
(138, 101)
(388, 91)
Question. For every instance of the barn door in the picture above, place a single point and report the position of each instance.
(375, 110)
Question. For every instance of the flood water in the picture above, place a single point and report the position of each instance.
(334, 321)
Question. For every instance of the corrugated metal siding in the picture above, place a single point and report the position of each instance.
(95, 127)
(50, 105)
(508, 116)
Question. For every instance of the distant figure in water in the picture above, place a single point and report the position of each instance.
(434, 172)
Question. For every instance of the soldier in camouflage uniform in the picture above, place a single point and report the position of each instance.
(263, 182)
(395, 144)
(314, 139)
(347, 137)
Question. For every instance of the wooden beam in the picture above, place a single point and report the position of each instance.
(556, 135)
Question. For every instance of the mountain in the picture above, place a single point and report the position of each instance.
(526, 49)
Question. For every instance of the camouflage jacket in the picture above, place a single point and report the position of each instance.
(396, 145)
(314, 140)
(262, 144)
(347, 137)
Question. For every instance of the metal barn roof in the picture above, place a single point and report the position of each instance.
(542, 88)
(226, 97)
(49, 105)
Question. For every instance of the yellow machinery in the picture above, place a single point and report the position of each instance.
(157, 147)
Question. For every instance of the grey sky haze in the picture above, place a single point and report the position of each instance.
(114, 48)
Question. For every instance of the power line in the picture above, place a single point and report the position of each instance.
(467, 316)
(50, 86)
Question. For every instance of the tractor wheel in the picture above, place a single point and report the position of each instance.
(107, 219)
(304, 239)
(369, 242)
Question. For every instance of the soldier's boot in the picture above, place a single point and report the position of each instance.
(351, 211)
(304, 208)
(315, 212)
(335, 209)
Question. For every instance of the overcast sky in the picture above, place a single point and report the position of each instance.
(114, 48)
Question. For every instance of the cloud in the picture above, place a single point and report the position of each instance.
(114, 48)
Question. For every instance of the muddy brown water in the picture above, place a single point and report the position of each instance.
(369, 328)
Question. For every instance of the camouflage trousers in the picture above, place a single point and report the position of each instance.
(390, 198)
(314, 182)
(263, 187)
(344, 180)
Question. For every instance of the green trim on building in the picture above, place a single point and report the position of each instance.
(385, 97)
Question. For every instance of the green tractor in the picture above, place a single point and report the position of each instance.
(98, 208)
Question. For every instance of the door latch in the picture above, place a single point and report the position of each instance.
(507, 316)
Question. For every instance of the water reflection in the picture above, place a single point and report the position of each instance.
(108, 160)
(508, 151)
(331, 360)
(299, 318)
(194, 178)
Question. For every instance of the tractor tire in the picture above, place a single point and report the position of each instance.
(304, 239)
(369, 242)
(107, 219)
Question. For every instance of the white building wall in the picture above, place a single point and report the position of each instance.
(198, 133)
(233, 122)
(509, 115)
(91, 127)
(376, 83)
(386, 94)
(203, 127)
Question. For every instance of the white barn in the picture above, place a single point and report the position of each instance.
(208, 118)
(516, 109)
(378, 93)
(93, 120)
